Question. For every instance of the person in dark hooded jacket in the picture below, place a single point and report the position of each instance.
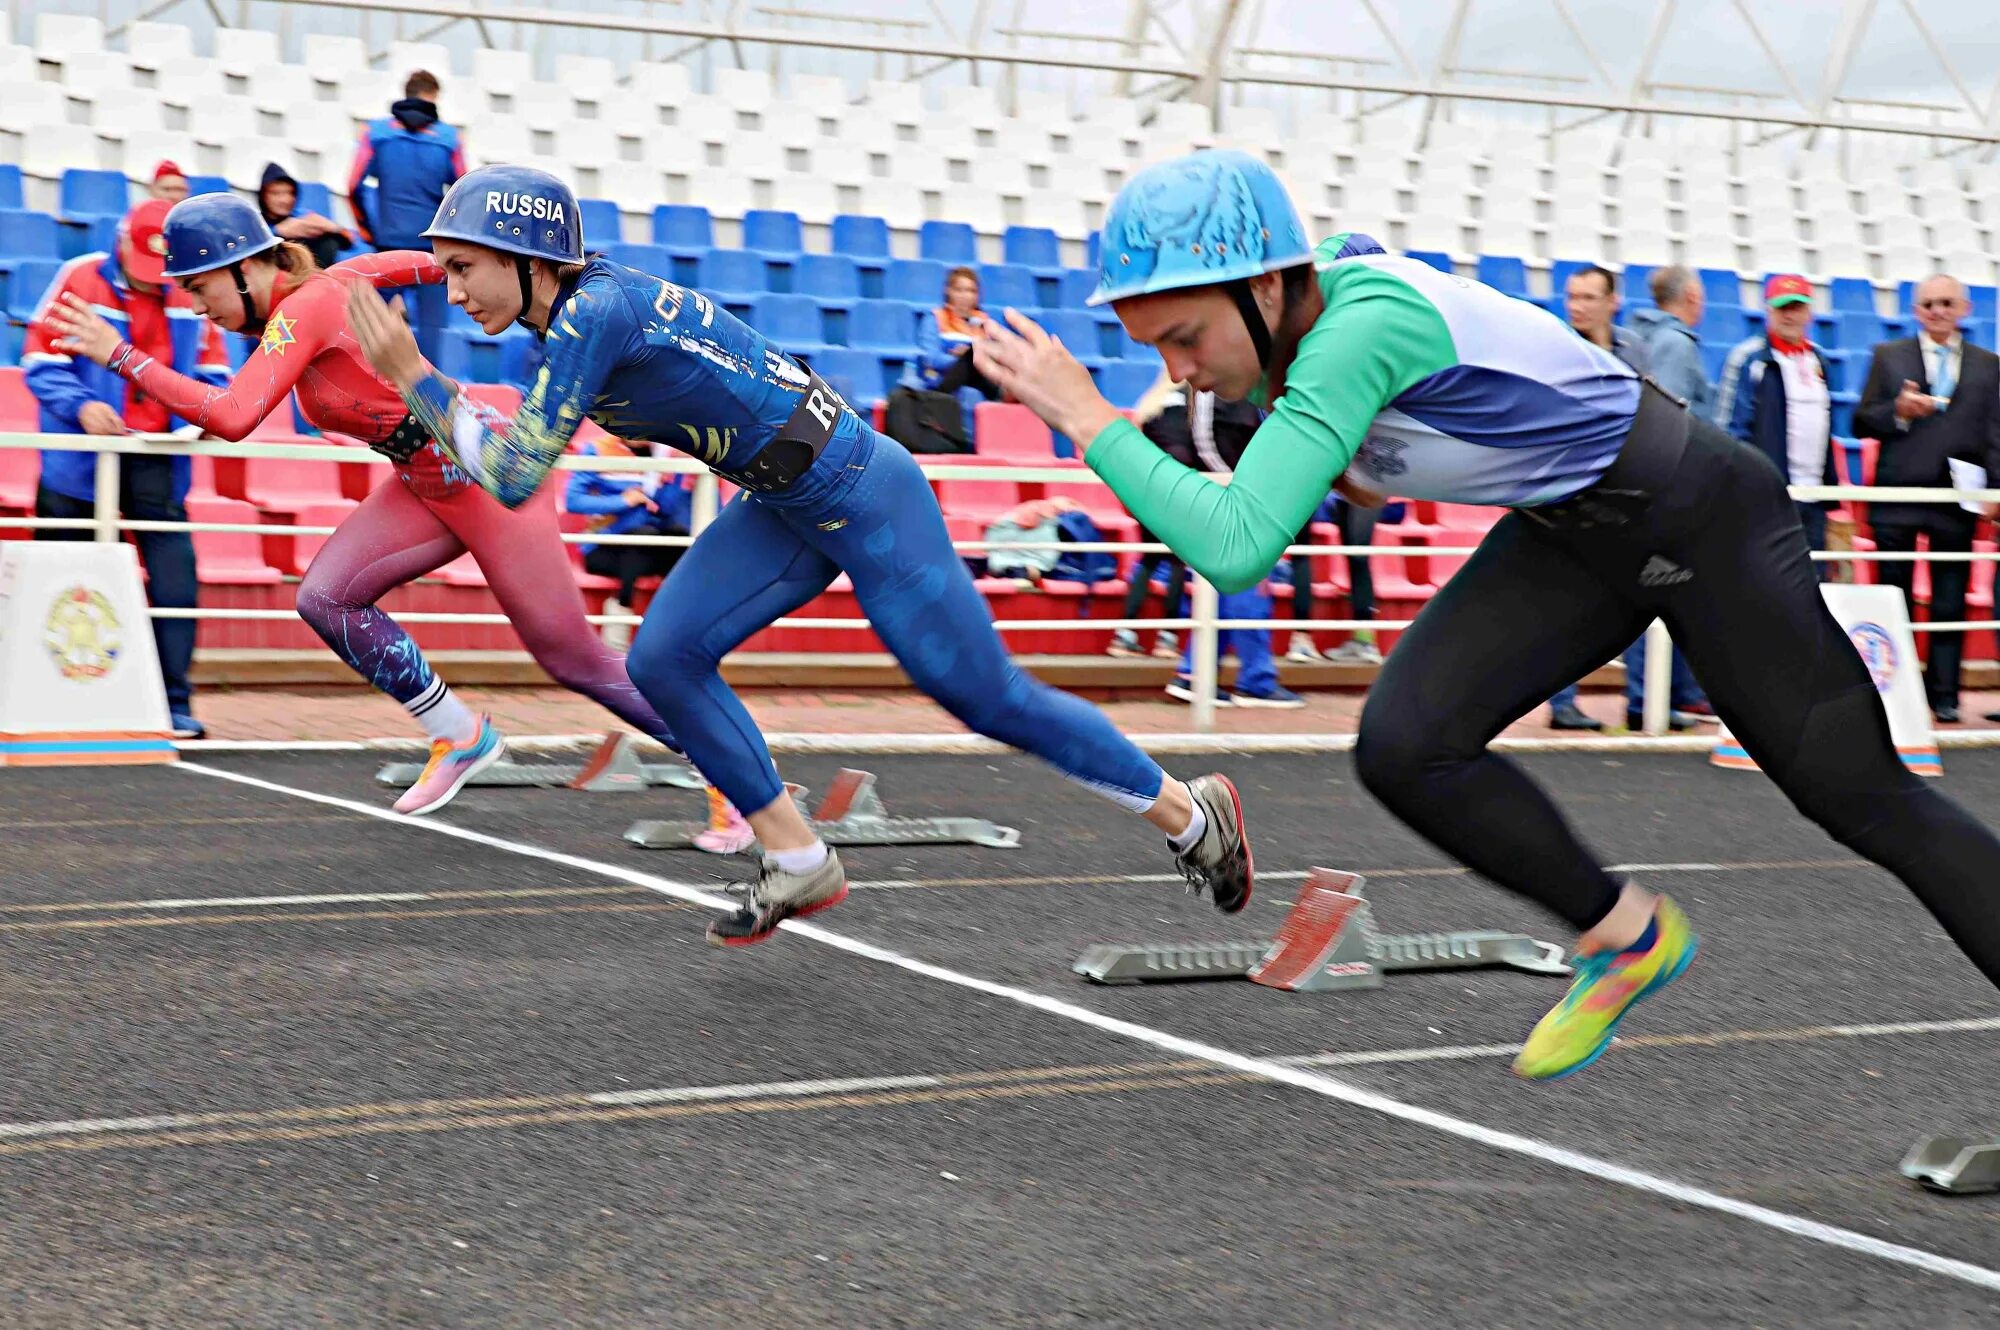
(413, 157)
(278, 200)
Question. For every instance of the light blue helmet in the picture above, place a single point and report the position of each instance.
(513, 208)
(211, 231)
(1208, 217)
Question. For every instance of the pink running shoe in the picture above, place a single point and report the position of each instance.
(450, 768)
(727, 832)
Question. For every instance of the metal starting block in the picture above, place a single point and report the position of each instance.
(1327, 942)
(851, 814)
(614, 765)
(1957, 1165)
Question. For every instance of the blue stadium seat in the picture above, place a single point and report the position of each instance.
(1560, 271)
(950, 242)
(27, 235)
(889, 325)
(860, 237)
(773, 232)
(1077, 285)
(12, 336)
(602, 227)
(1984, 302)
(1003, 284)
(1722, 286)
(919, 281)
(315, 197)
(1442, 262)
(1712, 356)
(1723, 323)
(1034, 247)
(11, 195)
(86, 193)
(1506, 275)
(792, 321)
(1635, 283)
(1078, 331)
(1979, 332)
(733, 272)
(1853, 295)
(683, 228)
(829, 278)
(26, 284)
(215, 184)
(472, 356)
(1124, 382)
(655, 259)
(856, 375)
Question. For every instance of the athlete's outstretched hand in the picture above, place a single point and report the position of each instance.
(384, 338)
(1041, 374)
(84, 331)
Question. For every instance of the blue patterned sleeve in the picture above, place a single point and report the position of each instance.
(510, 461)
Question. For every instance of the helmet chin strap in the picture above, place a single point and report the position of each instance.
(1253, 318)
(253, 322)
(521, 270)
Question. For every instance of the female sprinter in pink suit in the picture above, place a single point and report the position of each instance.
(246, 280)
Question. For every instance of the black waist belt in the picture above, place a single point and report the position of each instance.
(404, 442)
(798, 444)
(1645, 463)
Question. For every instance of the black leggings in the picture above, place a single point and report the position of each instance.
(1142, 581)
(1536, 607)
(629, 563)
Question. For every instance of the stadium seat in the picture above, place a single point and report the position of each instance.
(856, 375)
(472, 356)
(602, 226)
(1442, 262)
(860, 237)
(1003, 284)
(1124, 382)
(1008, 431)
(1076, 288)
(1033, 247)
(27, 235)
(919, 281)
(207, 184)
(1506, 275)
(792, 321)
(26, 284)
(11, 195)
(773, 232)
(655, 259)
(683, 230)
(889, 325)
(949, 242)
(229, 558)
(834, 280)
(733, 272)
(89, 193)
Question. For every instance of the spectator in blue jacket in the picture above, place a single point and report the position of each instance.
(413, 157)
(1774, 396)
(1672, 346)
(628, 503)
(129, 289)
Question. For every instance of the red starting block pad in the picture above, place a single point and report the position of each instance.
(1327, 942)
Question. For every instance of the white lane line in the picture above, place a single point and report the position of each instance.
(237, 902)
(768, 1090)
(97, 1126)
(1604, 1170)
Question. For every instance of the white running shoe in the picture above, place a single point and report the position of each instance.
(1301, 650)
(1354, 651)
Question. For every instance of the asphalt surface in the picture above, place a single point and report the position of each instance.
(376, 1111)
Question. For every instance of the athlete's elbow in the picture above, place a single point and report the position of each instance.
(1231, 575)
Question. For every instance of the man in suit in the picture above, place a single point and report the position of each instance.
(1930, 398)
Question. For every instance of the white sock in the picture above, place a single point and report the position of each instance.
(442, 715)
(799, 862)
(1192, 833)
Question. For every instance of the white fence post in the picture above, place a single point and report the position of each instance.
(104, 509)
(1658, 681)
(1207, 650)
(705, 504)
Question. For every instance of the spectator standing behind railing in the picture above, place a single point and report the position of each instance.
(1163, 414)
(1672, 345)
(628, 503)
(1931, 398)
(129, 289)
(1775, 396)
(413, 157)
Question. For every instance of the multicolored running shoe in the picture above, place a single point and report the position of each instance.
(450, 767)
(1608, 983)
(727, 832)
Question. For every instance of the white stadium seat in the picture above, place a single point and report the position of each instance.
(86, 73)
(30, 106)
(495, 70)
(52, 149)
(406, 58)
(119, 111)
(240, 50)
(331, 59)
(144, 149)
(58, 36)
(744, 89)
(244, 159)
(581, 72)
(157, 45)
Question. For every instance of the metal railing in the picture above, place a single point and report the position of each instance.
(1204, 620)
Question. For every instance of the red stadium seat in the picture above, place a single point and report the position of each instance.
(234, 558)
(1011, 432)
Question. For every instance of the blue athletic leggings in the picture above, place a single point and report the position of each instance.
(864, 509)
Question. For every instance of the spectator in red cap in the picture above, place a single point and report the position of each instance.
(129, 289)
(169, 182)
(1774, 396)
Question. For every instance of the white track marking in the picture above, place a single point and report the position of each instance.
(962, 745)
(768, 1090)
(1529, 1147)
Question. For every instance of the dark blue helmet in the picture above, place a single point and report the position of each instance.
(513, 208)
(211, 231)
